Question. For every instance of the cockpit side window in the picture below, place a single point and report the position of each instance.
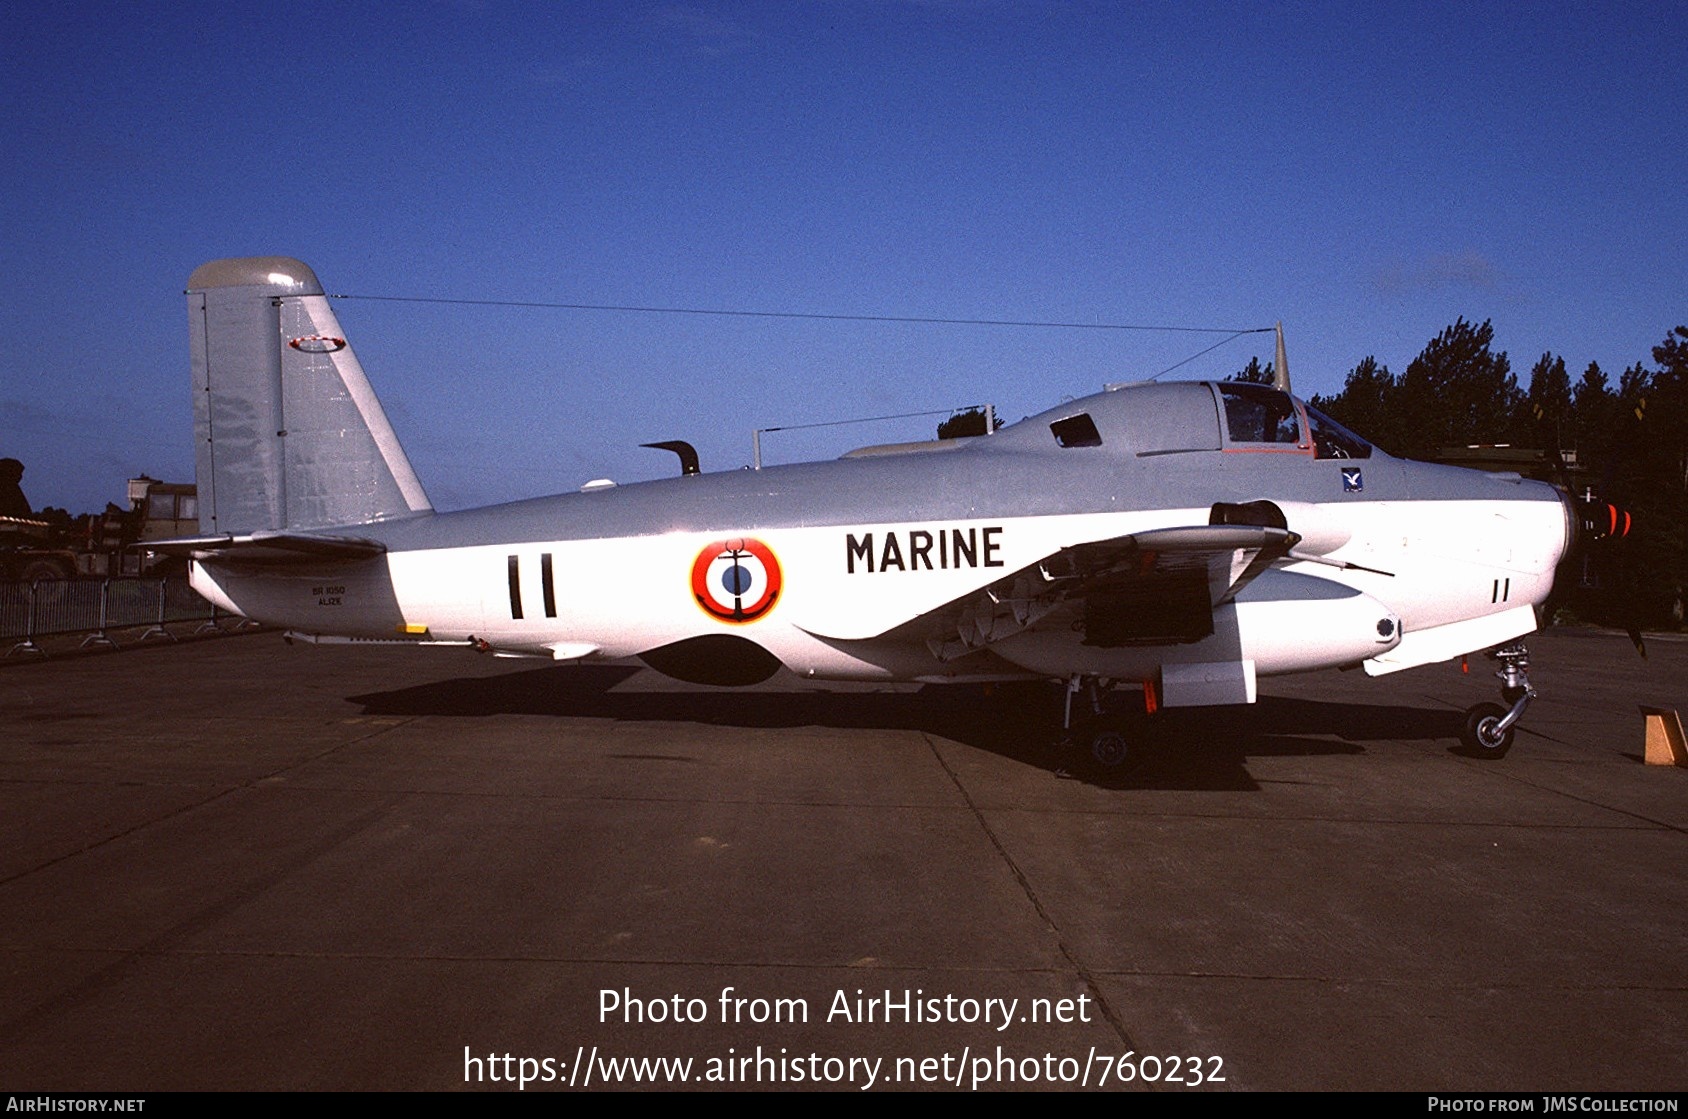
(1076, 431)
(1257, 414)
(1332, 440)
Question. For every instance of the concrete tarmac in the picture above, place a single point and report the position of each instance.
(235, 864)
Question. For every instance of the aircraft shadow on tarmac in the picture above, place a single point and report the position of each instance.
(1189, 749)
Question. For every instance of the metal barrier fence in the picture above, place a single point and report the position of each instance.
(92, 606)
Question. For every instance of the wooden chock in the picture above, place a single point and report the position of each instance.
(1665, 744)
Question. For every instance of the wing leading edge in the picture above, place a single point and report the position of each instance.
(1155, 587)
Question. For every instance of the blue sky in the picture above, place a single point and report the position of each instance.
(1366, 173)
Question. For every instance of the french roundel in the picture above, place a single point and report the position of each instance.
(317, 344)
(736, 580)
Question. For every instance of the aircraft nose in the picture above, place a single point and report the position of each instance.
(1573, 522)
(1590, 520)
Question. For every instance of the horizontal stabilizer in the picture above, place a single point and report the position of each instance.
(269, 548)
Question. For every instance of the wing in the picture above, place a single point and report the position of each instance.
(1159, 586)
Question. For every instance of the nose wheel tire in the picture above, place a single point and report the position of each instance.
(1483, 732)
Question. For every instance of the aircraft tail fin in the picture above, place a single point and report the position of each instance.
(288, 433)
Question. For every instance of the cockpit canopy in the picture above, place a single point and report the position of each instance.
(1150, 419)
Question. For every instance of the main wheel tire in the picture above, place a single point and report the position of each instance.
(1109, 748)
(1482, 730)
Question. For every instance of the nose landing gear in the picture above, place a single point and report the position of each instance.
(1489, 726)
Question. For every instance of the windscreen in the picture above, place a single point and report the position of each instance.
(1332, 440)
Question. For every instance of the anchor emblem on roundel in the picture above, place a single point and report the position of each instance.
(736, 579)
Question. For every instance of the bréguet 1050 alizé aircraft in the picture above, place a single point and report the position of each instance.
(1182, 538)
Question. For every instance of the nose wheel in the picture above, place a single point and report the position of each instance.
(1484, 732)
(1489, 726)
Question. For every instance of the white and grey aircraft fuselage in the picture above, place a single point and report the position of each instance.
(1186, 538)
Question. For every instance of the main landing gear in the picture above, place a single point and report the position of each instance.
(1103, 739)
(1489, 726)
